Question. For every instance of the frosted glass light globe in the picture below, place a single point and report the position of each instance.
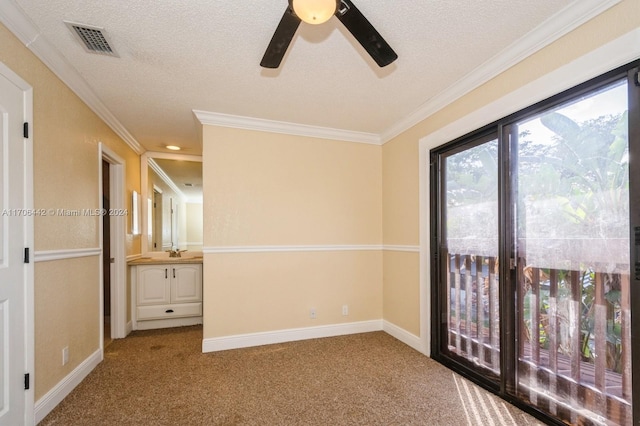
(314, 11)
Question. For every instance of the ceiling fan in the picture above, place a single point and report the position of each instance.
(317, 12)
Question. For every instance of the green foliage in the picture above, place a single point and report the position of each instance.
(585, 170)
(472, 175)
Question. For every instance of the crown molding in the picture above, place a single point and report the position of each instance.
(561, 23)
(165, 178)
(249, 123)
(14, 18)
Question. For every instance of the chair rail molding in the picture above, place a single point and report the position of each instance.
(50, 255)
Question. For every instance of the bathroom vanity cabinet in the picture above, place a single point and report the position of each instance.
(166, 294)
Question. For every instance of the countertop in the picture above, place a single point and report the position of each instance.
(165, 260)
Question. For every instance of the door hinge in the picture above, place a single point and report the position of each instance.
(636, 78)
(512, 263)
(26, 255)
(25, 130)
(26, 381)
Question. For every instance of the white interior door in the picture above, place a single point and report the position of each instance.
(14, 219)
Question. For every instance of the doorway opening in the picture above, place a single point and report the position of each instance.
(106, 256)
(157, 220)
(113, 312)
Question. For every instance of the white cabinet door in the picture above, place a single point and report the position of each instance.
(154, 284)
(186, 283)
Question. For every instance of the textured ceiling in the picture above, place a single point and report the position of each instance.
(177, 56)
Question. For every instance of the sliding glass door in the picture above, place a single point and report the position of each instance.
(572, 248)
(471, 332)
(532, 253)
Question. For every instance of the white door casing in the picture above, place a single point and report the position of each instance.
(118, 227)
(16, 267)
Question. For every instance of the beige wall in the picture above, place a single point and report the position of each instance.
(401, 274)
(273, 189)
(194, 226)
(66, 302)
(400, 220)
(66, 169)
(266, 189)
(257, 292)
(401, 155)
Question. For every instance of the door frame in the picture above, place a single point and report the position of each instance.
(118, 225)
(29, 300)
(619, 53)
(623, 50)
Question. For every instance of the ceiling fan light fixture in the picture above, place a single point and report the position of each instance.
(314, 11)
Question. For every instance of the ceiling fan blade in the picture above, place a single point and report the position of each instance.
(366, 35)
(280, 40)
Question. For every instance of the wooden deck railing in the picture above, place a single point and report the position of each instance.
(476, 331)
(574, 358)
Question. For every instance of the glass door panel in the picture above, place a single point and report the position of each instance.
(469, 288)
(572, 257)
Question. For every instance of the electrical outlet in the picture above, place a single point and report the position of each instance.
(65, 355)
(312, 313)
(345, 310)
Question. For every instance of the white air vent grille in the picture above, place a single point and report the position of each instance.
(94, 39)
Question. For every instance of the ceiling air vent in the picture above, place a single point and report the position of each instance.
(94, 39)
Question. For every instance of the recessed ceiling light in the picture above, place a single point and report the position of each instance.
(173, 147)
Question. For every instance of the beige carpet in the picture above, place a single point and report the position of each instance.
(160, 377)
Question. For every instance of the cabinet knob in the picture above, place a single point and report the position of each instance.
(169, 311)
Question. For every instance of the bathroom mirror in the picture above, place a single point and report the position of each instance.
(171, 194)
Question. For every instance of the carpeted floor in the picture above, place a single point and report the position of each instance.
(161, 377)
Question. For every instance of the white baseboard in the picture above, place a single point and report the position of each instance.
(280, 336)
(405, 337)
(128, 328)
(55, 396)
